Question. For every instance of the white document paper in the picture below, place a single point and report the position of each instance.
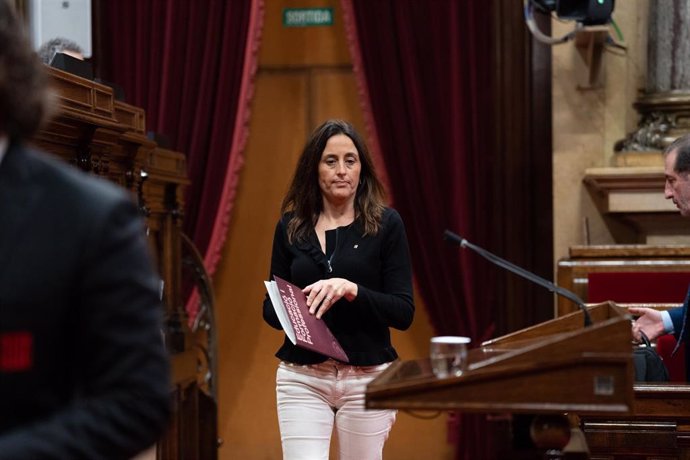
(279, 308)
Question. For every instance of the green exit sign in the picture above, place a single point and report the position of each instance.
(307, 17)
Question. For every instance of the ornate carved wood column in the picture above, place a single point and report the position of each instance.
(631, 191)
(665, 107)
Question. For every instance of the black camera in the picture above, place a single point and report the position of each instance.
(586, 12)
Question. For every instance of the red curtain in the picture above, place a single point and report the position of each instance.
(425, 74)
(190, 65)
(428, 86)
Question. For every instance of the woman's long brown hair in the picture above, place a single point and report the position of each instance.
(304, 198)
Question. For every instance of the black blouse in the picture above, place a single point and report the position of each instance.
(379, 264)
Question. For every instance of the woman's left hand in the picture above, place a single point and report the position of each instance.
(324, 293)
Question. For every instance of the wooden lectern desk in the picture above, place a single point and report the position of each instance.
(554, 367)
(557, 367)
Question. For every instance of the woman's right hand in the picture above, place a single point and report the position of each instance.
(324, 293)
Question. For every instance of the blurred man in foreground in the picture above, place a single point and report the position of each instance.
(83, 370)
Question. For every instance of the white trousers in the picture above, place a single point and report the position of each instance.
(314, 398)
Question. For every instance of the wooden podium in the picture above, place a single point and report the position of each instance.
(557, 367)
(554, 367)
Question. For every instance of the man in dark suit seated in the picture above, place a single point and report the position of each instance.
(83, 369)
(677, 188)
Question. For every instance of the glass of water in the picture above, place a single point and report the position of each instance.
(448, 355)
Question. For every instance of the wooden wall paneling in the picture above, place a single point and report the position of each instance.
(248, 422)
(334, 95)
(290, 47)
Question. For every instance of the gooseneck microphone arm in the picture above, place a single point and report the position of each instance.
(522, 272)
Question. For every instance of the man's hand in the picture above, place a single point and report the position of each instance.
(649, 321)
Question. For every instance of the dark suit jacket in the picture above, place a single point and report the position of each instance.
(83, 370)
(676, 315)
(679, 319)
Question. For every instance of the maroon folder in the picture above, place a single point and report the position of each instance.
(303, 329)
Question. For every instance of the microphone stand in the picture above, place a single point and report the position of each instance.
(522, 272)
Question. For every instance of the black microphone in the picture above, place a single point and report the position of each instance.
(522, 272)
